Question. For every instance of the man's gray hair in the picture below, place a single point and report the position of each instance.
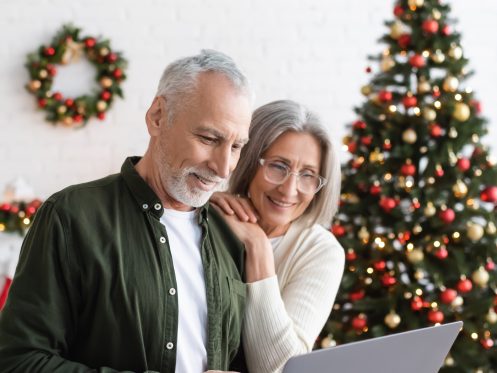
(268, 123)
(180, 77)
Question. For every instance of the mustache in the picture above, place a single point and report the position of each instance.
(205, 174)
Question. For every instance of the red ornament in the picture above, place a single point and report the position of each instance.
(105, 95)
(447, 216)
(435, 130)
(463, 164)
(352, 147)
(78, 118)
(489, 194)
(69, 102)
(439, 172)
(435, 316)
(368, 69)
(57, 96)
(398, 10)
(385, 96)
(338, 230)
(436, 93)
(111, 57)
(101, 115)
(367, 140)
(42, 102)
(417, 60)
(52, 71)
(388, 280)
(359, 322)
(409, 101)
(464, 285)
(416, 204)
(404, 41)
(351, 255)
(357, 295)
(442, 253)
(387, 204)
(375, 190)
(404, 237)
(490, 266)
(408, 169)
(477, 105)
(416, 303)
(446, 30)
(487, 343)
(430, 26)
(380, 265)
(117, 73)
(49, 51)
(387, 145)
(448, 295)
(359, 125)
(5, 207)
(90, 42)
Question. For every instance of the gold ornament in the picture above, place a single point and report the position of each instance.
(491, 316)
(417, 229)
(34, 85)
(62, 109)
(450, 84)
(436, 14)
(366, 90)
(376, 156)
(328, 342)
(363, 234)
(480, 277)
(106, 82)
(346, 140)
(101, 105)
(43, 74)
(67, 121)
(429, 114)
(429, 210)
(460, 189)
(415, 255)
(387, 63)
(457, 302)
(455, 52)
(419, 274)
(474, 231)
(423, 86)
(409, 136)
(415, 3)
(438, 56)
(453, 133)
(461, 111)
(491, 228)
(73, 52)
(397, 29)
(392, 320)
(103, 51)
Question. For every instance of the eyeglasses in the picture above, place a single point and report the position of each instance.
(277, 172)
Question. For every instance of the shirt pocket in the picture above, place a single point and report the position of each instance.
(238, 295)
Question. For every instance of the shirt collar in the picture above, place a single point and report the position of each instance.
(143, 193)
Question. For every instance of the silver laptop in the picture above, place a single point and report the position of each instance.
(416, 351)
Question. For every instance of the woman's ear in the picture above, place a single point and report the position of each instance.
(156, 115)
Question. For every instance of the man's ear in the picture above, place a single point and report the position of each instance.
(156, 115)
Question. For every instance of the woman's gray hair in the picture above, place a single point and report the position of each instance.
(180, 77)
(268, 123)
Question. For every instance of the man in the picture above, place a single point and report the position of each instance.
(134, 272)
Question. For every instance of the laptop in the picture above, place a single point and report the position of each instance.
(416, 351)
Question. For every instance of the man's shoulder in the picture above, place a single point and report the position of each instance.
(88, 193)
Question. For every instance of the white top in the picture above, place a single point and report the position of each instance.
(286, 312)
(185, 235)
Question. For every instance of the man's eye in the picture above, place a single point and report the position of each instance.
(236, 147)
(207, 140)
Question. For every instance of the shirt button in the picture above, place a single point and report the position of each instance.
(172, 291)
(157, 206)
(162, 240)
(169, 345)
(145, 206)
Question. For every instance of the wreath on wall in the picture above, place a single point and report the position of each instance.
(68, 46)
(18, 216)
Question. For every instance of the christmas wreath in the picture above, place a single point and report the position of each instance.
(17, 216)
(68, 46)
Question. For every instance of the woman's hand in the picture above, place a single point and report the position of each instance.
(233, 205)
(259, 253)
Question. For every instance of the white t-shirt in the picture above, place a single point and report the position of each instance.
(185, 235)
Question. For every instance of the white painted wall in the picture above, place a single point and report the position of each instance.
(313, 51)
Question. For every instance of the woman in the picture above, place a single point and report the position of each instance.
(284, 190)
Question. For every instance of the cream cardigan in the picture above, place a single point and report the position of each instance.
(286, 312)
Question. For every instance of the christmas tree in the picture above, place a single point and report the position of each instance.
(417, 216)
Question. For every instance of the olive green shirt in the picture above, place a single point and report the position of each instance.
(92, 288)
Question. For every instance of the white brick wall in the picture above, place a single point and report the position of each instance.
(313, 51)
